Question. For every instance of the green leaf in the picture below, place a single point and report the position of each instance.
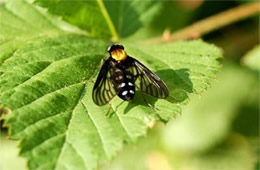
(47, 79)
(105, 18)
(252, 58)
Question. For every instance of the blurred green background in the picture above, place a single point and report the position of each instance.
(217, 130)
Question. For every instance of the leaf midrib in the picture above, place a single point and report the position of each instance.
(70, 118)
(120, 120)
(97, 129)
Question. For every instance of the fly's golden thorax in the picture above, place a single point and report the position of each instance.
(118, 55)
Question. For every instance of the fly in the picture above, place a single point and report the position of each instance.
(121, 74)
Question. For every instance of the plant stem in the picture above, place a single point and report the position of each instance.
(212, 23)
(110, 24)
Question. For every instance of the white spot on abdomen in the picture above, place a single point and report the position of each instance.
(131, 91)
(124, 93)
(122, 85)
(130, 84)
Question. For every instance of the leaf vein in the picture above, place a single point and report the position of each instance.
(121, 122)
(56, 90)
(37, 73)
(97, 129)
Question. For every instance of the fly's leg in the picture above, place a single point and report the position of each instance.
(108, 112)
(149, 104)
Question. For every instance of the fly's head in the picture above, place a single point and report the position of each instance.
(117, 52)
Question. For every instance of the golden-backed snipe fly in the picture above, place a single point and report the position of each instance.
(120, 74)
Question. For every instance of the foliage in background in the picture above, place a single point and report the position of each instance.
(252, 59)
(9, 154)
(105, 18)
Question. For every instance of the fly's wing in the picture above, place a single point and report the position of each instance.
(103, 90)
(147, 81)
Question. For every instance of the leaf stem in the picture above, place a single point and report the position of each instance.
(212, 23)
(110, 24)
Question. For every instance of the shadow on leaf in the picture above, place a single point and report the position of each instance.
(178, 82)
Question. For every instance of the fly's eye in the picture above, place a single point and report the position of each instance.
(114, 47)
(120, 46)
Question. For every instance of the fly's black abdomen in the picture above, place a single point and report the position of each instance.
(123, 82)
(127, 88)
